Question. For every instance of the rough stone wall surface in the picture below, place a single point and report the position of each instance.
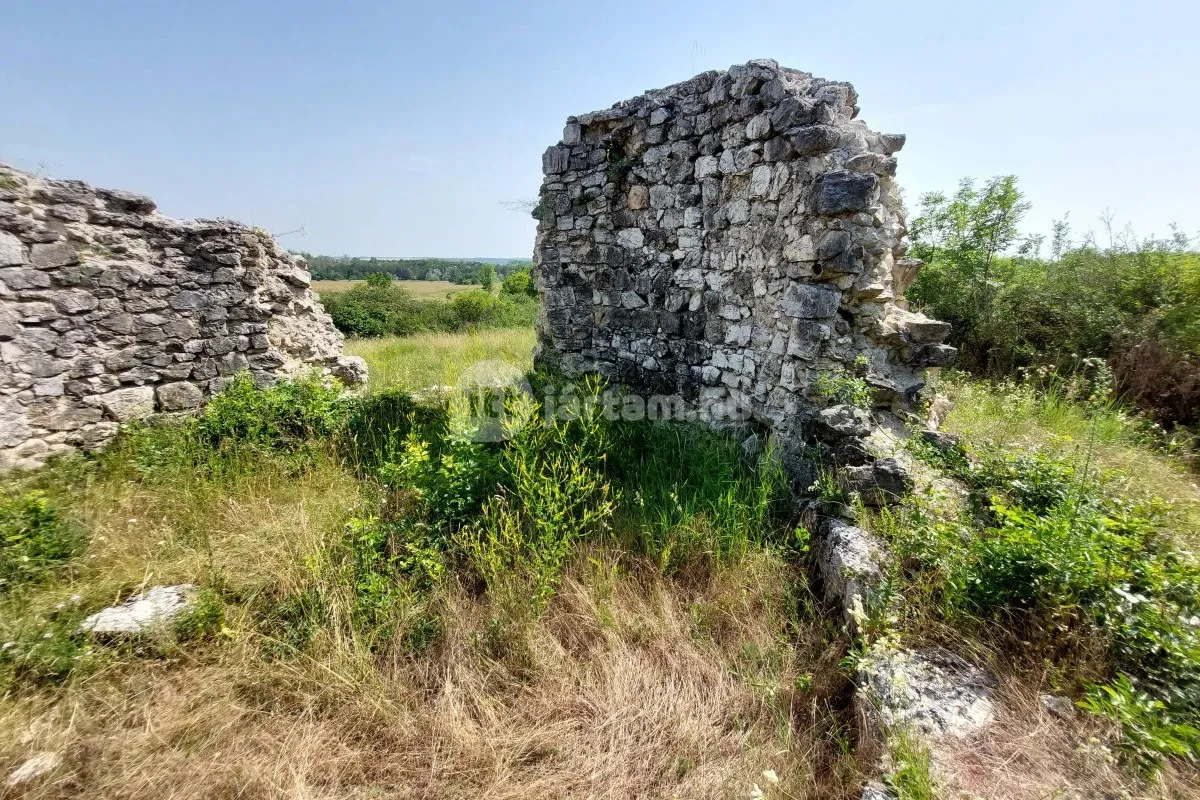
(728, 240)
(110, 312)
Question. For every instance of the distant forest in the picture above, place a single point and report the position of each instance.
(455, 270)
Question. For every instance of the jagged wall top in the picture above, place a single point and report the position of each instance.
(728, 240)
(110, 311)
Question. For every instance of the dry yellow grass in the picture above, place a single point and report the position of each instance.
(1029, 754)
(421, 290)
(630, 686)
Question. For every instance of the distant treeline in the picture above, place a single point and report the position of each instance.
(462, 271)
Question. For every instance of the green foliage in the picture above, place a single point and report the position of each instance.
(689, 493)
(378, 280)
(909, 776)
(1063, 555)
(487, 277)
(460, 271)
(204, 618)
(382, 309)
(841, 387)
(553, 494)
(35, 540)
(289, 624)
(43, 649)
(282, 416)
(1150, 731)
(519, 283)
(1133, 303)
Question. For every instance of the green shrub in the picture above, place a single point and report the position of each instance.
(1150, 731)
(1133, 303)
(554, 494)
(1062, 556)
(35, 539)
(519, 283)
(282, 416)
(841, 387)
(380, 309)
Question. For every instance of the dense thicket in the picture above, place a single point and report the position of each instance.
(342, 268)
(381, 307)
(1135, 303)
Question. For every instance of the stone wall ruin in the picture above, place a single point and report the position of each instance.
(727, 241)
(110, 312)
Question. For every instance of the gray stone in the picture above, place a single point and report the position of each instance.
(891, 142)
(12, 252)
(55, 254)
(931, 690)
(844, 192)
(179, 396)
(151, 610)
(1059, 706)
(850, 562)
(124, 405)
(945, 442)
(350, 370)
(20, 278)
(881, 483)
(806, 301)
(33, 769)
(814, 139)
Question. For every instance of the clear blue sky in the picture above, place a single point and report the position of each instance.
(400, 128)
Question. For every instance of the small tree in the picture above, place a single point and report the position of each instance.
(378, 280)
(487, 277)
(962, 239)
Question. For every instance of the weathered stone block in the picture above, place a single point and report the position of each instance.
(844, 192)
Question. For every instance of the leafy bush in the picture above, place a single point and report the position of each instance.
(553, 494)
(35, 540)
(383, 308)
(519, 283)
(282, 416)
(1134, 303)
(1063, 557)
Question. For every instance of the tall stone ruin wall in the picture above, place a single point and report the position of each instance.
(110, 312)
(727, 241)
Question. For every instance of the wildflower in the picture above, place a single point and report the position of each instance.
(771, 777)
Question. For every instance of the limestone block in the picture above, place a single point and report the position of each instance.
(179, 396)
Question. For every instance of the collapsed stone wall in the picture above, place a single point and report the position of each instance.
(726, 242)
(110, 312)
